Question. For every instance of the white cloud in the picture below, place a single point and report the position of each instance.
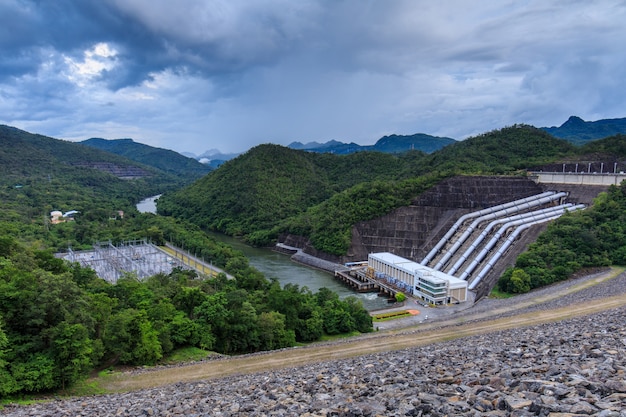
(96, 60)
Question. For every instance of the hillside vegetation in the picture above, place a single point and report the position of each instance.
(39, 174)
(59, 322)
(272, 190)
(270, 183)
(163, 159)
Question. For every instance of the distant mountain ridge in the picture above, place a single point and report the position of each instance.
(163, 159)
(578, 131)
(387, 144)
(68, 175)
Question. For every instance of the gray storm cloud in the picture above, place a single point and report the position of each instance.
(194, 74)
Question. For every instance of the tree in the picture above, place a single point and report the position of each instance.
(72, 350)
(520, 281)
(336, 319)
(131, 339)
(272, 332)
(36, 374)
(360, 316)
(8, 384)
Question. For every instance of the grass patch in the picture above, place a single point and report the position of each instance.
(391, 316)
(496, 293)
(24, 400)
(329, 337)
(94, 384)
(186, 354)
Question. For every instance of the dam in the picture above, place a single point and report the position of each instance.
(412, 231)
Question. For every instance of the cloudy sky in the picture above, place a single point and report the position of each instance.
(193, 75)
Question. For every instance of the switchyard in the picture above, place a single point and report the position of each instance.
(111, 262)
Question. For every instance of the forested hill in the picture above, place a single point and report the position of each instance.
(39, 174)
(579, 131)
(163, 159)
(271, 182)
(26, 156)
(272, 189)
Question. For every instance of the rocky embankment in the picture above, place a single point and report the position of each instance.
(571, 368)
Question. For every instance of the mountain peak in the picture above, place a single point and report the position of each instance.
(574, 121)
(577, 130)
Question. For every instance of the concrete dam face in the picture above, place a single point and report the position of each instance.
(412, 231)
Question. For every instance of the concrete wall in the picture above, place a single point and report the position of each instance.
(411, 231)
(578, 178)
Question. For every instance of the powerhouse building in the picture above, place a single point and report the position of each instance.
(432, 286)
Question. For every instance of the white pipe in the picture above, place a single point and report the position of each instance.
(517, 208)
(493, 224)
(499, 234)
(467, 216)
(509, 241)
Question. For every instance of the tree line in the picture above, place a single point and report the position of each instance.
(59, 321)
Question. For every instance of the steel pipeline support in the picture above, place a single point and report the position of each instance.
(509, 241)
(515, 209)
(479, 213)
(475, 244)
(483, 253)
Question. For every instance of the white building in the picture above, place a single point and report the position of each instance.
(432, 286)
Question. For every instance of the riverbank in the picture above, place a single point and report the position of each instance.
(426, 312)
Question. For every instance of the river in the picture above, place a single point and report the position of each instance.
(276, 265)
(148, 205)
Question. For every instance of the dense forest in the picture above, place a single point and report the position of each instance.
(59, 321)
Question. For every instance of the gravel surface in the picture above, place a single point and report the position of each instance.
(571, 368)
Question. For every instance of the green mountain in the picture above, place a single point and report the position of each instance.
(417, 142)
(387, 144)
(39, 174)
(578, 131)
(163, 159)
(272, 189)
(269, 183)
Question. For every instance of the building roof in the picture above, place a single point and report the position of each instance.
(412, 267)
